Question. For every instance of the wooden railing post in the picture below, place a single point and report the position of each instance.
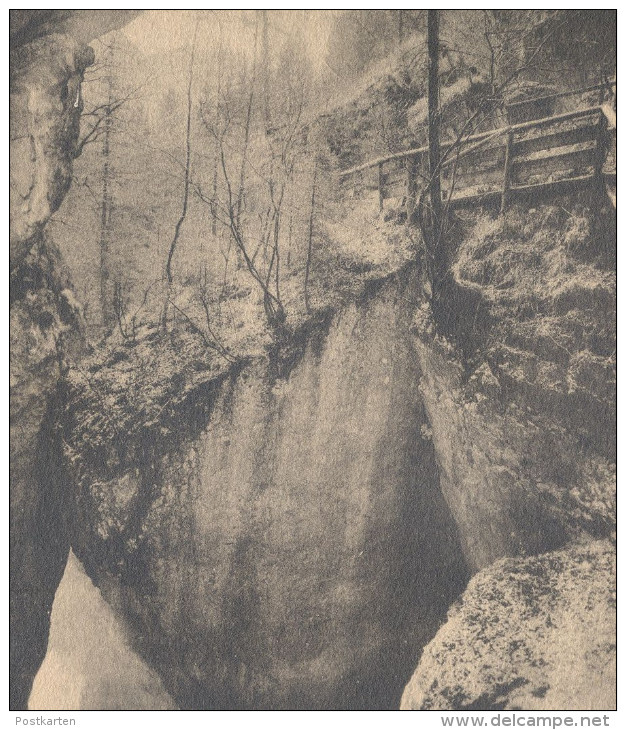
(600, 153)
(506, 182)
(600, 146)
(380, 186)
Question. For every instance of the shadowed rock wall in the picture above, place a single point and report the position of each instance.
(297, 553)
(524, 436)
(47, 64)
(45, 329)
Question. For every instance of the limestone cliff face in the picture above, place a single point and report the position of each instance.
(45, 331)
(45, 110)
(522, 406)
(296, 552)
(45, 327)
(523, 434)
(516, 478)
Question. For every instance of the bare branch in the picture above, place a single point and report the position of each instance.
(183, 215)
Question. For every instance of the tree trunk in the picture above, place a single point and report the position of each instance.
(185, 203)
(246, 139)
(265, 70)
(216, 143)
(107, 285)
(289, 241)
(183, 214)
(434, 152)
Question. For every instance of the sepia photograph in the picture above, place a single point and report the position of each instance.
(313, 361)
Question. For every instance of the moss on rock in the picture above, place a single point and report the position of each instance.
(527, 634)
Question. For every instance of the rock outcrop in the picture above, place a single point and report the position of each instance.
(528, 634)
(518, 481)
(522, 406)
(523, 417)
(45, 328)
(82, 26)
(48, 59)
(284, 544)
(45, 111)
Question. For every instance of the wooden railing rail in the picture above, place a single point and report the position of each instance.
(567, 148)
(416, 151)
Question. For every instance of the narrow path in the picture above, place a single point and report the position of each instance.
(89, 664)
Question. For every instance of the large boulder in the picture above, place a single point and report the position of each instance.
(528, 634)
(275, 539)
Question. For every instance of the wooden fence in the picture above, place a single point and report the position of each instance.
(553, 152)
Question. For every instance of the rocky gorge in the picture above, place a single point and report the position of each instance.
(391, 506)
(295, 533)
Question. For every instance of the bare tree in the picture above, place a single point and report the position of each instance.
(187, 169)
(433, 229)
(108, 288)
(257, 153)
(186, 179)
(247, 127)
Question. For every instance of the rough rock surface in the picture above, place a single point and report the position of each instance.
(45, 110)
(287, 546)
(522, 411)
(517, 481)
(45, 331)
(48, 58)
(82, 25)
(522, 408)
(528, 634)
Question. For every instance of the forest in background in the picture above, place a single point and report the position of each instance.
(206, 190)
